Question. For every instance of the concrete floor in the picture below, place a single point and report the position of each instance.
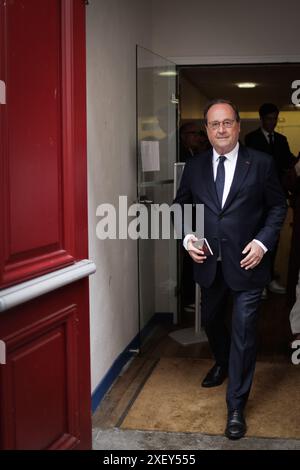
(117, 439)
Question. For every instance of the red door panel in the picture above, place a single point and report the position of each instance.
(45, 384)
(45, 396)
(34, 131)
(37, 136)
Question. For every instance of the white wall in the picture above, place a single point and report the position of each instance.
(193, 28)
(114, 27)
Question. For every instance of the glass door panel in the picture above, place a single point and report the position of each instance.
(156, 155)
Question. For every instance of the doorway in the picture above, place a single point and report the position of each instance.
(159, 117)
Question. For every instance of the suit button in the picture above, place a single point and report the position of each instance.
(220, 217)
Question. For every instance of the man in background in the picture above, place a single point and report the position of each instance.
(267, 140)
(193, 141)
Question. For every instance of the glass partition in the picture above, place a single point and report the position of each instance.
(156, 155)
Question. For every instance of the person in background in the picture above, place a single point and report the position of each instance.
(203, 143)
(267, 140)
(189, 141)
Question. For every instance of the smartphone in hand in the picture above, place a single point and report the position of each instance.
(202, 244)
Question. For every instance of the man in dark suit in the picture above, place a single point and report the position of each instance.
(267, 140)
(244, 208)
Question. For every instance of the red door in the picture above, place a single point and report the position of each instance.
(44, 318)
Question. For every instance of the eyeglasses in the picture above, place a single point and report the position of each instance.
(227, 123)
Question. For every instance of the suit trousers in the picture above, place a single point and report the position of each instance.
(235, 350)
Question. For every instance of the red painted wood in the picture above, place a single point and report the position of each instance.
(45, 384)
(43, 136)
(45, 396)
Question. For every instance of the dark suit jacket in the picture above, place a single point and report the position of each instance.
(255, 208)
(283, 158)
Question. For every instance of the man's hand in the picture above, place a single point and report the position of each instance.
(254, 256)
(197, 255)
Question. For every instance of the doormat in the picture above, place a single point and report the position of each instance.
(173, 400)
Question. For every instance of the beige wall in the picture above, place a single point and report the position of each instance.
(194, 28)
(114, 27)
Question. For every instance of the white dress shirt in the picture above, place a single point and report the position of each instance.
(229, 166)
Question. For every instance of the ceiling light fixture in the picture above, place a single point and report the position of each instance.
(168, 73)
(247, 85)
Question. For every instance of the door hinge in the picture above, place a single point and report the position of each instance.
(174, 99)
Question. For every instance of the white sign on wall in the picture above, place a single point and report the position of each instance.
(150, 155)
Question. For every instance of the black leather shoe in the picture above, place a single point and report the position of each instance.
(215, 376)
(236, 425)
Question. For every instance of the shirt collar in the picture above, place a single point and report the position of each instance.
(231, 155)
(266, 134)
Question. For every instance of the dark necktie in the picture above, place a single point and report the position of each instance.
(220, 178)
(271, 142)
